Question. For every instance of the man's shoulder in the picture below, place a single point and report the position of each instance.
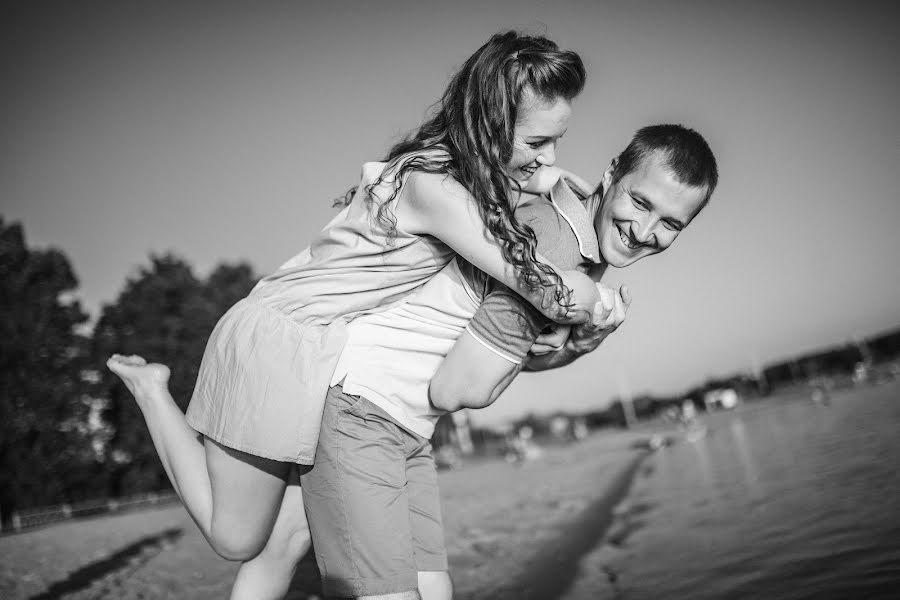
(564, 194)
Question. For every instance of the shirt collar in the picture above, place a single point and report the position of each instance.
(576, 215)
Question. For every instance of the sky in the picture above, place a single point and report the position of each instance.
(223, 135)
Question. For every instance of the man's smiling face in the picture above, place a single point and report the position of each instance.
(644, 211)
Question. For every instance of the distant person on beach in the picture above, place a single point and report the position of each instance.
(450, 188)
(372, 498)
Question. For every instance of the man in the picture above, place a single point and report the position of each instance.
(372, 498)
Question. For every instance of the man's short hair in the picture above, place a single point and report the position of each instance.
(686, 153)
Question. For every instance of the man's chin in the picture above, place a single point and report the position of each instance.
(618, 260)
(619, 263)
(613, 256)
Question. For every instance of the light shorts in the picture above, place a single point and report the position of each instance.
(372, 501)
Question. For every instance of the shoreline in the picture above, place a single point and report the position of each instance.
(555, 567)
(528, 540)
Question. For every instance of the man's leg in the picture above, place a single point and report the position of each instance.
(435, 585)
(357, 503)
(425, 520)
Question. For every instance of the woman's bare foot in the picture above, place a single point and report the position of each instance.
(145, 381)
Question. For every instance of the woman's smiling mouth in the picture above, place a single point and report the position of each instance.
(529, 170)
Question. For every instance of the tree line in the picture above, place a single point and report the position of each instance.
(69, 430)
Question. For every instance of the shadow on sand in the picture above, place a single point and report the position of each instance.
(127, 560)
(552, 570)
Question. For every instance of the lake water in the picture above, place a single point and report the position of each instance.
(784, 499)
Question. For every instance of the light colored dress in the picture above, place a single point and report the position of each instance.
(269, 361)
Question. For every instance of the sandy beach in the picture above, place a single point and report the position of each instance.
(512, 531)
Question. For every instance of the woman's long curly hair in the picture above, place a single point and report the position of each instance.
(473, 123)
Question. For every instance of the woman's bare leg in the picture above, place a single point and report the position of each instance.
(233, 496)
(269, 575)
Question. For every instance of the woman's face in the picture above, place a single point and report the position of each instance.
(540, 124)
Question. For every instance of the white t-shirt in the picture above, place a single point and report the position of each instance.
(391, 356)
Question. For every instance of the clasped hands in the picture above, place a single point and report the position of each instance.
(608, 313)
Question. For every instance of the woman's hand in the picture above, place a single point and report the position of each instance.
(543, 180)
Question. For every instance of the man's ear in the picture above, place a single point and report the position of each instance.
(608, 174)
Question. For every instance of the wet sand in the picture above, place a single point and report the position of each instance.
(513, 531)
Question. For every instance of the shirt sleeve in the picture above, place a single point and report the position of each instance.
(507, 324)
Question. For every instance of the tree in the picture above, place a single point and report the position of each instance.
(42, 387)
(165, 314)
(227, 284)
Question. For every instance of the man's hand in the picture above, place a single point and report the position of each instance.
(551, 339)
(609, 313)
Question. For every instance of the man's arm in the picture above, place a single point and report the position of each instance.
(471, 376)
(494, 347)
(489, 353)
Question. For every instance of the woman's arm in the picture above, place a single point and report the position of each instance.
(437, 205)
(546, 177)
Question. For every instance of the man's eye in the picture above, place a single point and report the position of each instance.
(670, 226)
(638, 203)
(536, 145)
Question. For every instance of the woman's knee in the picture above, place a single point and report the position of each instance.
(234, 543)
(246, 495)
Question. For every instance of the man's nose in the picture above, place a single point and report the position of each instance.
(644, 232)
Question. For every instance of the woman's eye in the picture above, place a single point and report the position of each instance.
(670, 226)
(638, 204)
(535, 145)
